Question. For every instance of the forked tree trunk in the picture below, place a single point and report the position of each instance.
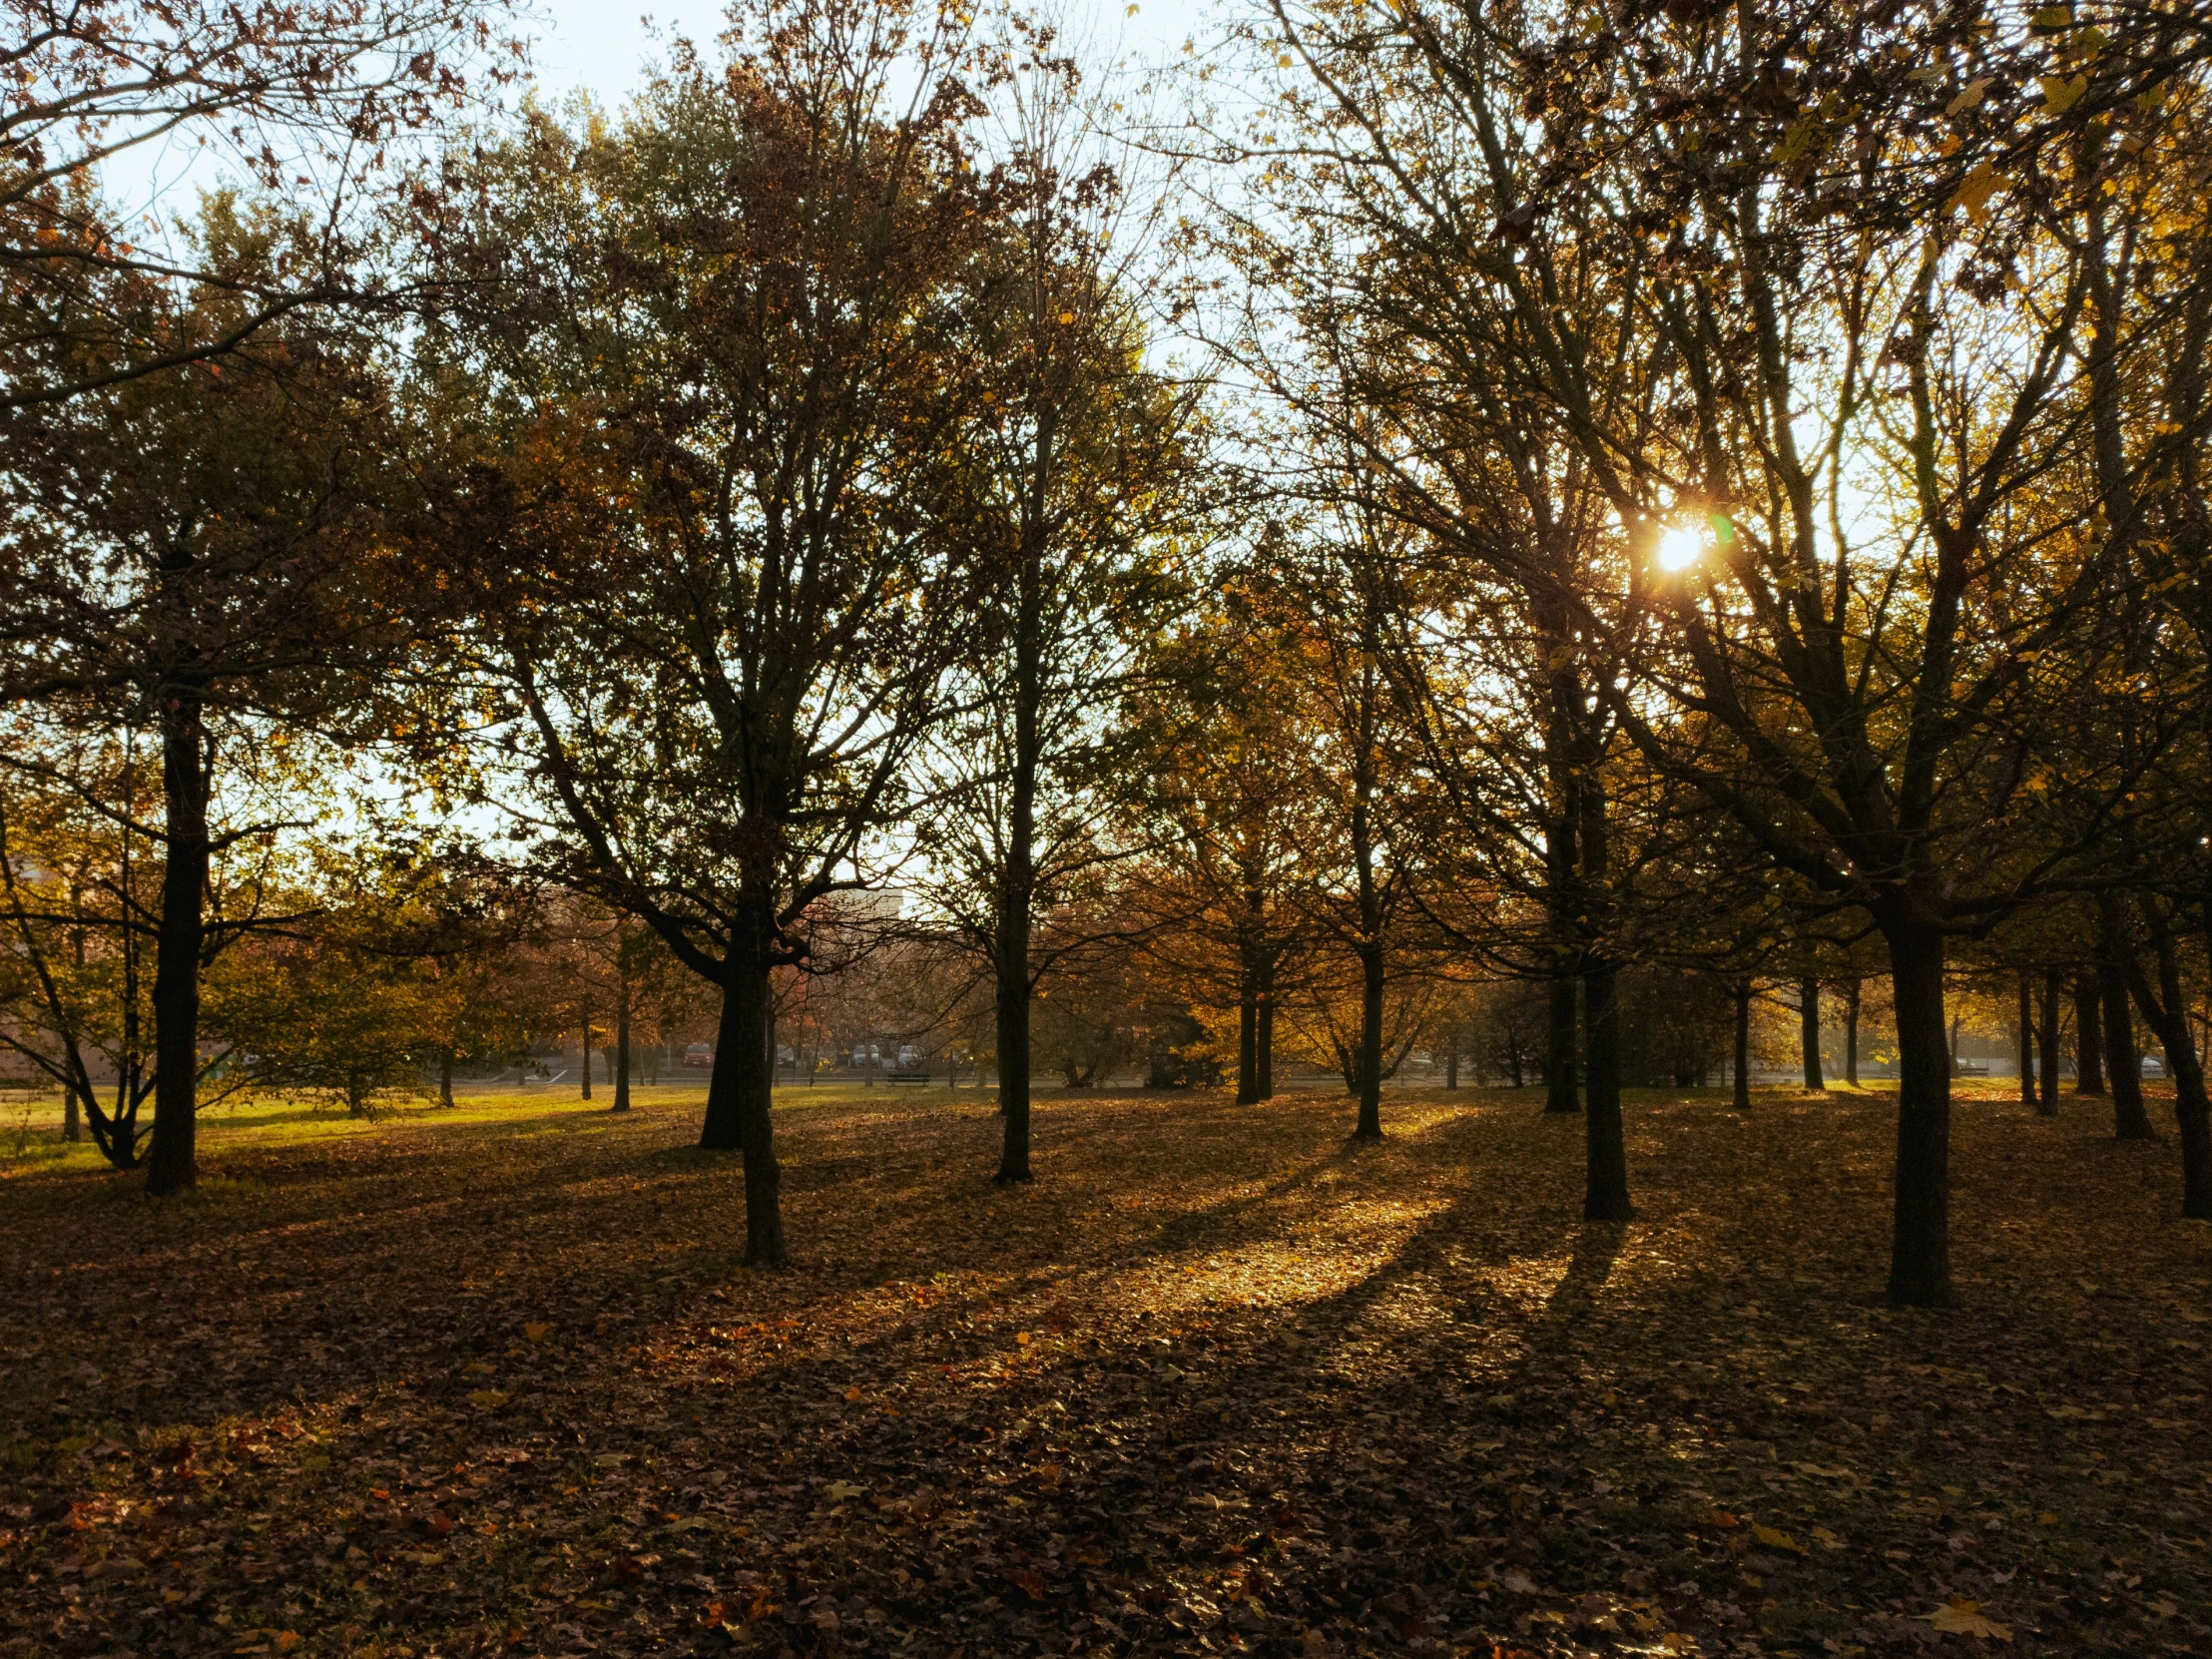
(2047, 1100)
(2122, 1061)
(1919, 1245)
(1605, 1152)
(1809, 1032)
(2088, 1037)
(2027, 1040)
(172, 1162)
(1560, 1046)
(1741, 994)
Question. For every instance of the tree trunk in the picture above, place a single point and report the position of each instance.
(1560, 1036)
(1851, 1031)
(1452, 1060)
(2123, 1062)
(72, 1124)
(2027, 1040)
(622, 1045)
(1012, 972)
(739, 1091)
(1368, 1063)
(1920, 1249)
(2047, 1100)
(1742, 996)
(1017, 882)
(445, 1077)
(1263, 1057)
(1809, 1032)
(1605, 1151)
(172, 1163)
(1513, 1056)
(587, 1057)
(1247, 1019)
(2088, 1037)
(2168, 1016)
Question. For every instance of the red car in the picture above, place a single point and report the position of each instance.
(700, 1055)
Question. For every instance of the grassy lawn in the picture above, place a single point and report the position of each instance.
(490, 1379)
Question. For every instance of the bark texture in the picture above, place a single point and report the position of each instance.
(172, 1159)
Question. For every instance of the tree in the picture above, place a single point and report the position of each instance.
(1072, 485)
(302, 95)
(195, 553)
(1219, 791)
(1692, 200)
(1331, 589)
(713, 363)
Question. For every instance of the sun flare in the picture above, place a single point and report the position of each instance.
(1679, 548)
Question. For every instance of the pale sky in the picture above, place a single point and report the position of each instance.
(603, 44)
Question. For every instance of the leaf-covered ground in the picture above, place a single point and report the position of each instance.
(1221, 1382)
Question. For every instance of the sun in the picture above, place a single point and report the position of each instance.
(1679, 548)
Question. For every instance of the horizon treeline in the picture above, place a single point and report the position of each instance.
(1552, 534)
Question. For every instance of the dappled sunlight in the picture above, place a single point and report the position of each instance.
(458, 1370)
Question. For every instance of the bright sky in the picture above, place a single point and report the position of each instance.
(603, 44)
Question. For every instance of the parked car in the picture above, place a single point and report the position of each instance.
(699, 1056)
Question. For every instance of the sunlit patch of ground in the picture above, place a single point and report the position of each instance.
(492, 1380)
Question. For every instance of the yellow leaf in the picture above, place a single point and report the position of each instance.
(1977, 188)
(2060, 93)
(536, 1331)
(2052, 19)
(1969, 95)
(843, 1491)
(1777, 1540)
(2047, 1518)
(1282, 59)
(1964, 1618)
(486, 1398)
(1827, 1539)
(1797, 140)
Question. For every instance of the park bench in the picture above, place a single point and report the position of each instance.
(909, 1077)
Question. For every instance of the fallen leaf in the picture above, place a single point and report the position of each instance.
(1767, 1537)
(1964, 1618)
